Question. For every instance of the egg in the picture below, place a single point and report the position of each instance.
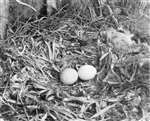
(69, 76)
(87, 72)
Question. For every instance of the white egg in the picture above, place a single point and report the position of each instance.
(87, 72)
(69, 76)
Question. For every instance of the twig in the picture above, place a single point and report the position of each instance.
(103, 111)
(25, 111)
(25, 4)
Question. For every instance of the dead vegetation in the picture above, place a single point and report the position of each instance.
(109, 37)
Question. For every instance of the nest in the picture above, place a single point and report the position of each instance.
(36, 51)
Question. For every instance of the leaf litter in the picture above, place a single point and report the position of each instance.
(35, 52)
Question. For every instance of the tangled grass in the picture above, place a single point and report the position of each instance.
(35, 52)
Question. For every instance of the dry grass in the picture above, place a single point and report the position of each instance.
(36, 51)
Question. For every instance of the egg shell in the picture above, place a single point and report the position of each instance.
(87, 72)
(69, 76)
